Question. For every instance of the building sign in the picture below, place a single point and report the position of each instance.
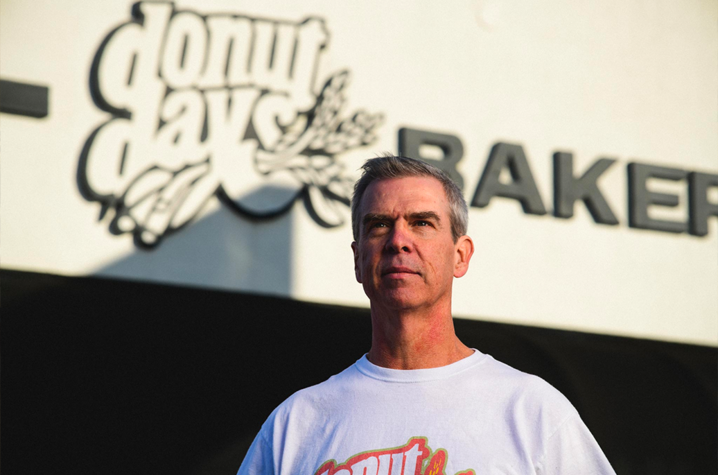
(225, 136)
(216, 105)
(510, 160)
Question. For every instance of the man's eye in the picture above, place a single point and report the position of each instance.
(423, 223)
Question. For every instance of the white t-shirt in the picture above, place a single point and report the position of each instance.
(476, 416)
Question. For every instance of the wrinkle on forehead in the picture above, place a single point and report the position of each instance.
(406, 197)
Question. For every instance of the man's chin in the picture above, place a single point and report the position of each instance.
(399, 299)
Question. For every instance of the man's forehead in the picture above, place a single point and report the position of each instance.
(414, 193)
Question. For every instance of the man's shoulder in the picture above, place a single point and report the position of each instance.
(500, 372)
(518, 388)
(319, 396)
(506, 387)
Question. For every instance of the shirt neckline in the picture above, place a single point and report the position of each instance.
(369, 369)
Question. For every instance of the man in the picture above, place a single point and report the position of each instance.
(420, 401)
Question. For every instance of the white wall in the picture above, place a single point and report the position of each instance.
(632, 81)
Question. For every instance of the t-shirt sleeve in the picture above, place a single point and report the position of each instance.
(572, 450)
(259, 459)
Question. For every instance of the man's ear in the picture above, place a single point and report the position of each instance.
(355, 250)
(464, 249)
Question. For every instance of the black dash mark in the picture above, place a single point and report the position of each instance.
(229, 57)
(294, 58)
(252, 40)
(274, 48)
(184, 51)
(24, 99)
(132, 69)
(124, 157)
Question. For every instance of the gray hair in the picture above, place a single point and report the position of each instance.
(390, 166)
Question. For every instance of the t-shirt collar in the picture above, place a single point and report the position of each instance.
(371, 370)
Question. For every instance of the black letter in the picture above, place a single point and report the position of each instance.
(698, 205)
(411, 139)
(523, 187)
(639, 198)
(23, 99)
(567, 189)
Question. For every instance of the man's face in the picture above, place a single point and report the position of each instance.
(406, 257)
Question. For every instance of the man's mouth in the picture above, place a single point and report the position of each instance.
(398, 271)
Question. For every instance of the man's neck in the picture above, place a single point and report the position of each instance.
(414, 340)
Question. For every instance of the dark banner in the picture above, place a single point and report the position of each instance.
(114, 377)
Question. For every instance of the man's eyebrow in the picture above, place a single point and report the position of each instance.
(425, 215)
(369, 217)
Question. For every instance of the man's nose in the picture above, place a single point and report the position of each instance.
(399, 239)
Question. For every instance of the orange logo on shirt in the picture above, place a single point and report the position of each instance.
(414, 458)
